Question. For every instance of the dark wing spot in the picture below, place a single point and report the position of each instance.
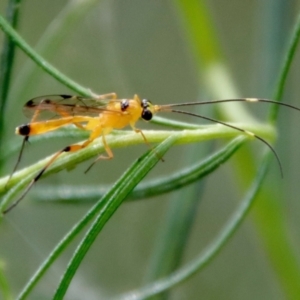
(30, 103)
(66, 96)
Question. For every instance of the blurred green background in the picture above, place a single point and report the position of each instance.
(142, 47)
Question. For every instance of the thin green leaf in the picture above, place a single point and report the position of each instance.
(71, 159)
(182, 178)
(176, 224)
(40, 61)
(199, 29)
(203, 40)
(268, 213)
(162, 285)
(111, 202)
(122, 187)
(4, 286)
(7, 59)
(211, 251)
(69, 131)
(52, 38)
(288, 59)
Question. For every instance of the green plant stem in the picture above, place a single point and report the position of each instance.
(211, 251)
(111, 202)
(59, 248)
(40, 61)
(177, 223)
(104, 208)
(203, 40)
(174, 232)
(7, 59)
(54, 35)
(268, 212)
(204, 43)
(172, 238)
(69, 131)
(4, 286)
(208, 166)
(84, 194)
(130, 138)
(23, 177)
(279, 91)
(286, 65)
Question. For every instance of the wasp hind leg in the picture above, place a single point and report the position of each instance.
(25, 139)
(36, 178)
(72, 148)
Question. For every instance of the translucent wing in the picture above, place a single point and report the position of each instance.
(57, 106)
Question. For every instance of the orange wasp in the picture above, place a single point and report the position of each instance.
(100, 115)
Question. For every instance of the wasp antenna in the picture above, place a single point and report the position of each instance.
(274, 152)
(18, 160)
(250, 100)
(235, 128)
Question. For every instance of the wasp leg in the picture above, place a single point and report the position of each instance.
(104, 96)
(146, 141)
(72, 148)
(110, 154)
(25, 139)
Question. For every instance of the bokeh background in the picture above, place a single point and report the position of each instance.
(142, 47)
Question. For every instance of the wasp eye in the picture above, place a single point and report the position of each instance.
(147, 115)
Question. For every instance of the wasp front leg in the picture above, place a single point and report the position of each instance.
(146, 141)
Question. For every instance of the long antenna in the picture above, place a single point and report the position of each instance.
(235, 128)
(252, 100)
